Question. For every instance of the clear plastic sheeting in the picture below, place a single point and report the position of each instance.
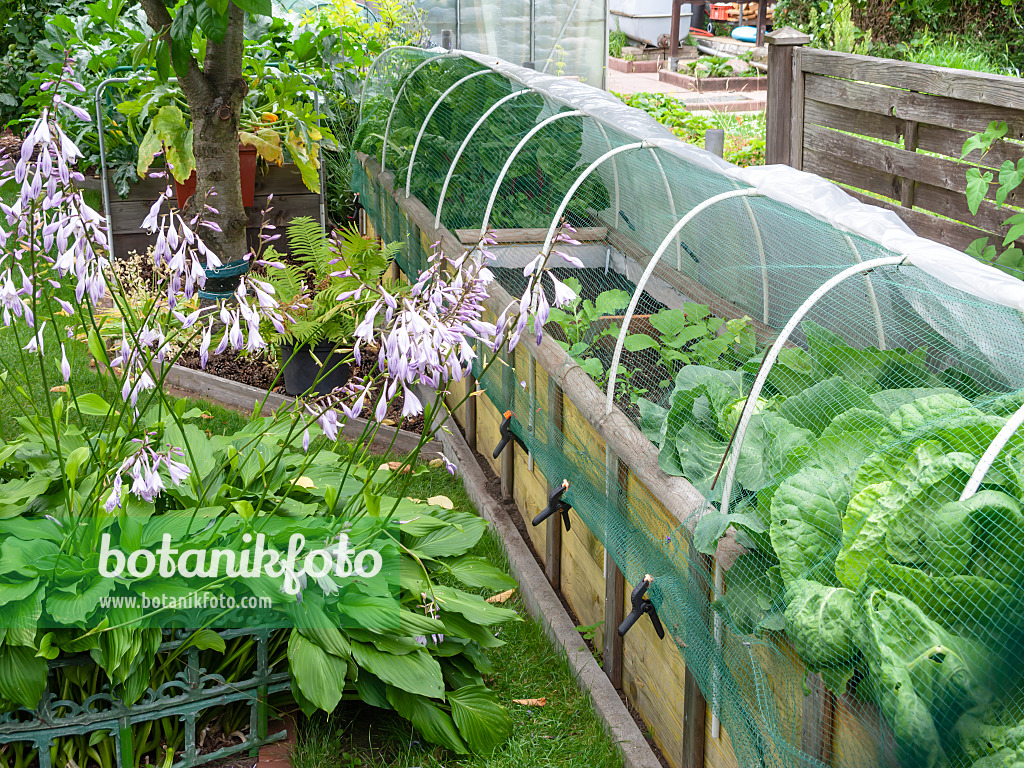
(841, 396)
(566, 38)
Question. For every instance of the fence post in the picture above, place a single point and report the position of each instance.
(781, 84)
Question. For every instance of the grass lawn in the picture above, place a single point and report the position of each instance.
(565, 732)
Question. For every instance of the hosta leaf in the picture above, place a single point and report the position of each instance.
(319, 675)
(482, 721)
(433, 723)
(22, 675)
(476, 572)
(417, 673)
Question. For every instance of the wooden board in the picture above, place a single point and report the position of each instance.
(718, 753)
(996, 90)
(529, 235)
(488, 423)
(583, 575)
(653, 679)
(583, 446)
(530, 493)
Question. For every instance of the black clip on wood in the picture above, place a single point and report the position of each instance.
(556, 506)
(641, 605)
(507, 435)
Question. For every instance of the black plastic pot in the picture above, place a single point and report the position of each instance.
(301, 368)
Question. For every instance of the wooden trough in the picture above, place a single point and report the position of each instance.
(610, 449)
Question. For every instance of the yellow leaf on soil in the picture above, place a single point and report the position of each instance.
(501, 597)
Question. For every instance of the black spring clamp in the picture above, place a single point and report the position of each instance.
(507, 435)
(641, 605)
(556, 506)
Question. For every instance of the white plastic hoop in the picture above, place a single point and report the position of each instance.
(398, 96)
(671, 207)
(609, 403)
(464, 144)
(611, 153)
(615, 167)
(511, 159)
(773, 355)
(992, 453)
(879, 327)
(430, 114)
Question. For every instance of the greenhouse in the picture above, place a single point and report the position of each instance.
(786, 414)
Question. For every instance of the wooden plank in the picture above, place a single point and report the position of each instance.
(910, 131)
(845, 171)
(818, 721)
(530, 496)
(718, 753)
(857, 121)
(937, 171)
(582, 579)
(782, 44)
(470, 414)
(949, 141)
(694, 709)
(861, 733)
(529, 235)
(907, 105)
(798, 99)
(653, 679)
(951, 233)
(940, 172)
(614, 593)
(954, 205)
(126, 216)
(996, 91)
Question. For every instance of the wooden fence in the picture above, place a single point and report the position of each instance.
(891, 133)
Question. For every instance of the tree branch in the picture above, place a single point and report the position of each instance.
(160, 21)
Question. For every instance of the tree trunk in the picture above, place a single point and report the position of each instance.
(214, 95)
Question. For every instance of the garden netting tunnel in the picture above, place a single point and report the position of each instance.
(792, 414)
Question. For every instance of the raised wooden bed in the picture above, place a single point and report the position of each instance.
(649, 66)
(291, 199)
(713, 84)
(618, 464)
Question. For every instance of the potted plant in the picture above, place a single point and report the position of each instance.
(277, 115)
(316, 347)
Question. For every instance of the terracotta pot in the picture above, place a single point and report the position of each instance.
(247, 166)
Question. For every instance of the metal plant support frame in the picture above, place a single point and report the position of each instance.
(610, 154)
(398, 96)
(465, 143)
(185, 698)
(992, 453)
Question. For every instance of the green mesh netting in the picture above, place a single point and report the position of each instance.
(855, 554)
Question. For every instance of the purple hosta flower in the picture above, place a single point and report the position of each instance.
(427, 336)
(563, 293)
(448, 465)
(65, 366)
(305, 441)
(143, 467)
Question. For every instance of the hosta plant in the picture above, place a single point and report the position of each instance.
(116, 491)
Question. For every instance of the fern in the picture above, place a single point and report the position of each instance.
(308, 288)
